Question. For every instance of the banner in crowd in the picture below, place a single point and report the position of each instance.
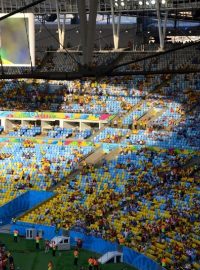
(55, 115)
(46, 141)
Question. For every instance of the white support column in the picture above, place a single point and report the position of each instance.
(161, 29)
(159, 25)
(115, 26)
(61, 28)
(2, 6)
(165, 25)
(63, 31)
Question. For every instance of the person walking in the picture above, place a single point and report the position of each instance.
(11, 266)
(15, 234)
(79, 243)
(46, 246)
(37, 242)
(10, 258)
(54, 249)
(76, 254)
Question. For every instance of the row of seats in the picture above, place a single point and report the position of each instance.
(29, 165)
(141, 199)
(105, 96)
(110, 135)
(187, 57)
(58, 132)
(25, 131)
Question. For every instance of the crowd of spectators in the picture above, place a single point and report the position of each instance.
(29, 165)
(146, 199)
(108, 95)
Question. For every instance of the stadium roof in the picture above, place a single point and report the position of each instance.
(104, 6)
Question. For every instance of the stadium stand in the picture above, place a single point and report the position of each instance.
(111, 149)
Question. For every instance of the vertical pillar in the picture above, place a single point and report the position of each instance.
(165, 25)
(159, 25)
(3, 123)
(91, 30)
(87, 28)
(61, 123)
(61, 28)
(2, 6)
(83, 27)
(161, 30)
(115, 26)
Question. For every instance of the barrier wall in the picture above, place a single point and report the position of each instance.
(21, 204)
(139, 261)
(48, 231)
(93, 244)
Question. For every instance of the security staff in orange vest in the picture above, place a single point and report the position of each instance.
(15, 234)
(96, 264)
(90, 263)
(37, 242)
(76, 253)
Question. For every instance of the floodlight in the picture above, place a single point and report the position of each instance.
(116, 3)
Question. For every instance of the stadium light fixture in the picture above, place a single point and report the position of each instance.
(119, 3)
(151, 2)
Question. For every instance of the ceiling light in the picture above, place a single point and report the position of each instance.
(140, 3)
(147, 3)
(153, 2)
